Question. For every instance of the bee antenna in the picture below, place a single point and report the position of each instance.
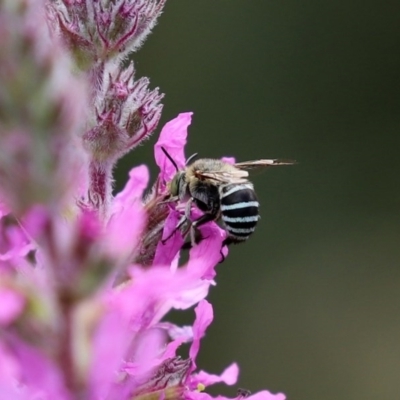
(170, 158)
(191, 158)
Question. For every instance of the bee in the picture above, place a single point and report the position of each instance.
(222, 192)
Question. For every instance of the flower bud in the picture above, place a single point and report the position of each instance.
(99, 30)
(127, 112)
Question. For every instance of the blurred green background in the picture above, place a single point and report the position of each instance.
(310, 306)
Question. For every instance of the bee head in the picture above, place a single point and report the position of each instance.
(178, 185)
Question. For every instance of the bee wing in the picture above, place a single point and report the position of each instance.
(263, 163)
(234, 176)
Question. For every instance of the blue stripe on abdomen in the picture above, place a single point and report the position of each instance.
(239, 209)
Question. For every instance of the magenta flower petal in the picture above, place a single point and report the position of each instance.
(173, 139)
(35, 220)
(9, 373)
(11, 305)
(128, 216)
(167, 252)
(127, 343)
(194, 291)
(15, 242)
(133, 190)
(177, 332)
(107, 354)
(135, 309)
(204, 317)
(179, 335)
(3, 209)
(159, 290)
(229, 376)
(208, 253)
(32, 375)
(147, 348)
(9, 366)
(170, 350)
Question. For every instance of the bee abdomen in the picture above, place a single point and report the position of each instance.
(239, 210)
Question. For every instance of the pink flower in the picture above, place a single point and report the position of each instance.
(11, 305)
(127, 113)
(175, 378)
(141, 357)
(172, 376)
(87, 280)
(121, 238)
(123, 111)
(172, 138)
(26, 374)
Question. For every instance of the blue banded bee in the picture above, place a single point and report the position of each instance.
(222, 191)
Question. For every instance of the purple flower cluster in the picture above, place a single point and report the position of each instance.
(123, 112)
(86, 281)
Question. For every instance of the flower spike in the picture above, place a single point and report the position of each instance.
(88, 279)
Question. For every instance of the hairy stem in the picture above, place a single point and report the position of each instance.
(100, 186)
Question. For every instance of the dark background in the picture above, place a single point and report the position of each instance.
(310, 306)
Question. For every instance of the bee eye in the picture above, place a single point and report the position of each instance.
(173, 186)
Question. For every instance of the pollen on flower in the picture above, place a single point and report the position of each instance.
(200, 387)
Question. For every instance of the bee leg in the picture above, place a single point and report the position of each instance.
(179, 225)
(188, 208)
(203, 219)
(186, 246)
(195, 224)
(198, 238)
(184, 219)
